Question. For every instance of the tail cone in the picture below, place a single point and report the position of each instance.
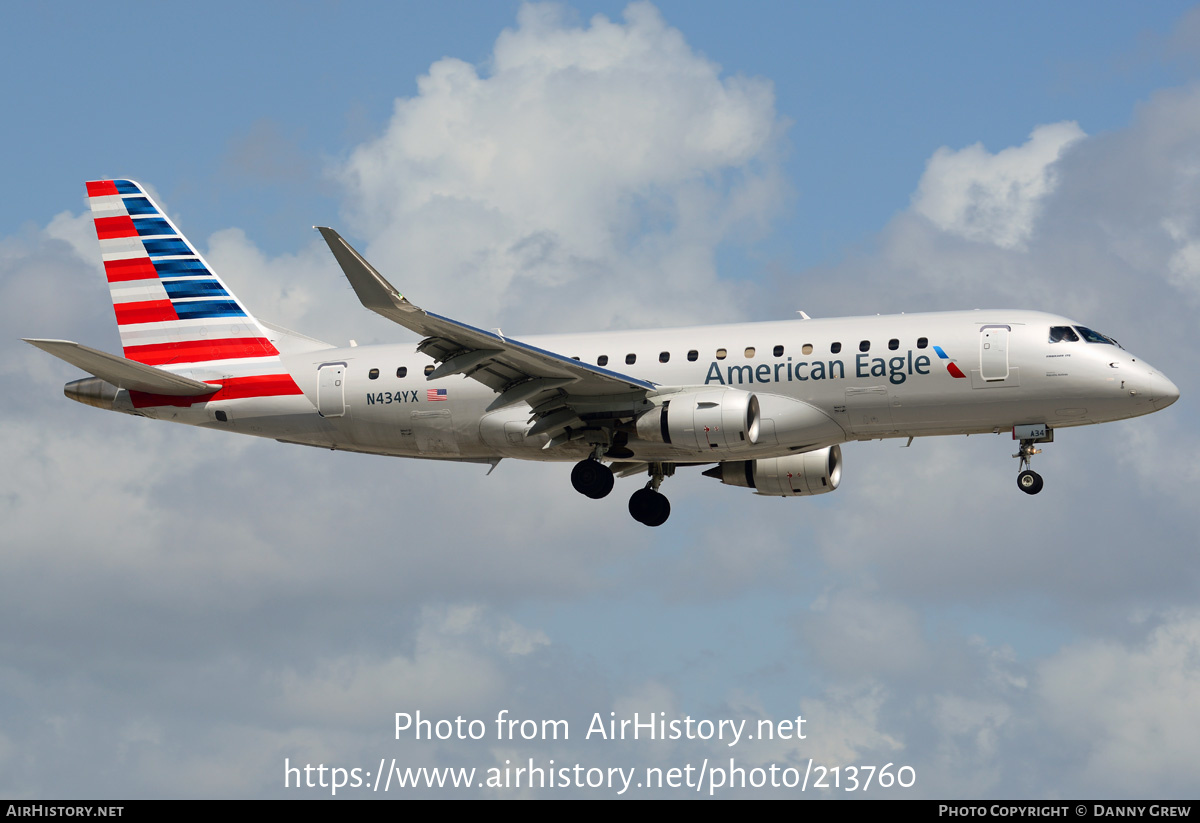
(92, 391)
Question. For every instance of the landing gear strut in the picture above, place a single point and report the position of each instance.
(1028, 480)
(649, 506)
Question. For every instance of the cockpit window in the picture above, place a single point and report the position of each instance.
(1059, 334)
(1096, 337)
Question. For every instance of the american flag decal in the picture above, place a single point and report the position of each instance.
(435, 394)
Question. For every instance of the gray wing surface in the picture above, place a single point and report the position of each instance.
(558, 388)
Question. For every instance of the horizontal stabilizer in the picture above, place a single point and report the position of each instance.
(123, 373)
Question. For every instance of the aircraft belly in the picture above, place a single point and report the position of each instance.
(433, 430)
(959, 408)
(410, 417)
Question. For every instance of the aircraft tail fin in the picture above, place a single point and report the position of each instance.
(172, 309)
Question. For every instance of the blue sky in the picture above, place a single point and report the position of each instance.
(185, 610)
(867, 92)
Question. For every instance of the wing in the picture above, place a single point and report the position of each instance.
(563, 392)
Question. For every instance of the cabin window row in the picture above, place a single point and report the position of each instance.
(402, 371)
(694, 355)
(750, 351)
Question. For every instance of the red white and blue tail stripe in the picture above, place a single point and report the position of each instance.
(172, 309)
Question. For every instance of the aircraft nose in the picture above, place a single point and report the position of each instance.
(1162, 391)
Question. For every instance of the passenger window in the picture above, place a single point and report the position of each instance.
(428, 370)
(664, 356)
(693, 355)
(602, 360)
(630, 359)
(749, 352)
(778, 351)
(402, 371)
(807, 348)
(922, 342)
(835, 348)
(1060, 334)
(722, 354)
(373, 374)
(574, 357)
(865, 345)
(893, 344)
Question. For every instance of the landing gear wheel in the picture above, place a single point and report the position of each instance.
(592, 478)
(1029, 482)
(649, 507)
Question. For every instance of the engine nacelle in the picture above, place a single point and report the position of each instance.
(703, 421)
(815, 472)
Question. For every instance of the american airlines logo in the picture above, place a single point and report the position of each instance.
(951, 366)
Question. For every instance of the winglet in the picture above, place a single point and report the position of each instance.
(373, 290)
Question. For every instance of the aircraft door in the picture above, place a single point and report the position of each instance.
(993, 353)
(331, 389)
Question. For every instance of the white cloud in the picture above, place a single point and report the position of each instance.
(304, 291)
(846, 725)
(993, 198)
(456, 667)
(1184, 263)
(860, 634)
(592, 169)
(1163, 458)
(1131, 708)
(79, 231)
(1184, 39)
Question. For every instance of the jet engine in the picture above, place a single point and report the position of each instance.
(705, 421)
(794, 475)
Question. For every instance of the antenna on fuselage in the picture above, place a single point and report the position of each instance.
(803, 316)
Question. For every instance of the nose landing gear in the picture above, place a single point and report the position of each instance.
(1028, 480)
(1029, 435)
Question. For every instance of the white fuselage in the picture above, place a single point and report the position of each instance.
(819, 382)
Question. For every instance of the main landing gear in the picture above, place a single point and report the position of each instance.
(593, 479)
(1028, 480)
(650, 506)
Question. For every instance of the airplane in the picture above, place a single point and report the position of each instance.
(765, 405)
